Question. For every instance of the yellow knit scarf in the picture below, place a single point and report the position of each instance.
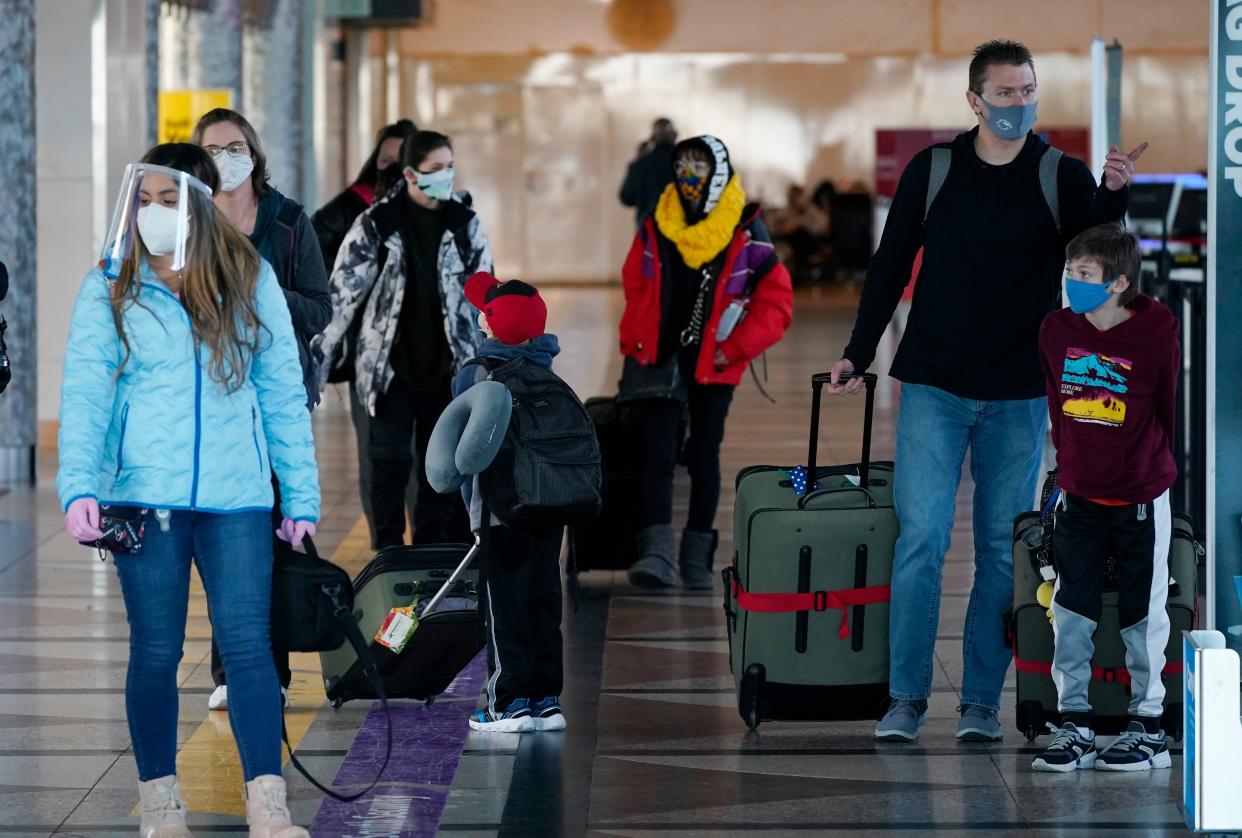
(699, 243)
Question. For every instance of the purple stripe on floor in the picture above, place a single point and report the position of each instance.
(426, 746)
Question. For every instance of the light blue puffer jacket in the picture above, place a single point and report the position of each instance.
(165, 434)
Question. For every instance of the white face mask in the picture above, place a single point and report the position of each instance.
(438, 185)
(234, 169)
(157, 225)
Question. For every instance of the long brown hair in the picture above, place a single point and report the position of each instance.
(219, 280)
(260, 175)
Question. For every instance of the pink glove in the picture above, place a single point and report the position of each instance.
(82, 519)
(294, 531)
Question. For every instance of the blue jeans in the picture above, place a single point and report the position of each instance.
(934, 429)
(234, 555)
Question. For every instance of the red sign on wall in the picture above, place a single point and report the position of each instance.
(895, 148)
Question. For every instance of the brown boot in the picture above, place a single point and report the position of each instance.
(266, 809)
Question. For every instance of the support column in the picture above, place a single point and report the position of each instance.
(1224, 350)
(18, 431)
(216, 49)
(273, 49)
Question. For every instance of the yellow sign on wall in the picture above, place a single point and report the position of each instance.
(180, 111)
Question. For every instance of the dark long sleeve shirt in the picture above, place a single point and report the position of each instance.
(992, 266)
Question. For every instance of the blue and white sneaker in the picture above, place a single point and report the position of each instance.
(548, 715)
(1136, 750)
(1071, 748)
(516, 718)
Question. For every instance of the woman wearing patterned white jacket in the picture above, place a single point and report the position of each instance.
(399, 280)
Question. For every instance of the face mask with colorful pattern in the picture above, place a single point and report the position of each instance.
(690, 186)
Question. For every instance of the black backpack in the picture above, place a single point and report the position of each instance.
(547, 472)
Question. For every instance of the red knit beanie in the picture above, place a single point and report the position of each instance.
(515, 311)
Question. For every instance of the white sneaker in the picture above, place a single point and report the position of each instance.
(267, 812)
(220, 698)
(163, 811)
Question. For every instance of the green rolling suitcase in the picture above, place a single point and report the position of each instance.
(806, 597)
(1031, 636)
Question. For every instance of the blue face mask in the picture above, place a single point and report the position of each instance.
(1086, 296)
(1010, 122)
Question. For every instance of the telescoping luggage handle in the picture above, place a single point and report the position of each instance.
(817, 390)
(448, 585)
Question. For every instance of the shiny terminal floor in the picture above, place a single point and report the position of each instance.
(655, 745)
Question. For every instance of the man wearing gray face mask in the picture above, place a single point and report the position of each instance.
(992, 212)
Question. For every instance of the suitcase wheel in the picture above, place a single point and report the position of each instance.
(337, 703)
(1031, 719)
(429, 700)
(750, 694)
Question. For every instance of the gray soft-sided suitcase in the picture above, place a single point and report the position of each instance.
(446, 640)
(1031, 635)
(806, 598)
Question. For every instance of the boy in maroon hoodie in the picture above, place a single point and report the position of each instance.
(1110, 362)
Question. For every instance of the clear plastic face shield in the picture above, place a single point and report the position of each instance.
(155, 213)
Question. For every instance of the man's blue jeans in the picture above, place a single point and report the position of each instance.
(234, 556)
(934, 429)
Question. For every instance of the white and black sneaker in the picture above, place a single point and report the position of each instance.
(1136, 750)
(1071, 748)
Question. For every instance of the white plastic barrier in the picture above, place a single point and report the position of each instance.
(1212, 791)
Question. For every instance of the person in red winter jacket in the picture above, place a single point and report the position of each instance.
(705, 294)
(1110, 362)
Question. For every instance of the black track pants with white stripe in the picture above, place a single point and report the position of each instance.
(521, 607)
(1086, 535)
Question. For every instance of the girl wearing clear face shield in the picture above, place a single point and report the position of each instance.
(182, 391)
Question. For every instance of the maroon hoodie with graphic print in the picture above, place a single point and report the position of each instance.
(1112, 400)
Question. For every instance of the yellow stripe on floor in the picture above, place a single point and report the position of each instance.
(208, 765)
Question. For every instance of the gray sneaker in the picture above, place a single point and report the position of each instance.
(902, 721)
(978, 724)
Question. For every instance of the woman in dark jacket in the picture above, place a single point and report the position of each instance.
(400, 277)
(282, 234)
(704, 295)
(333, 220)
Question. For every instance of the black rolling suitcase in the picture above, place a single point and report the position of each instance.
(448, 637)
(610, 542)
(1031, 634)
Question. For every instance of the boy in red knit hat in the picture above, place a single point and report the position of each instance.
(521, 596)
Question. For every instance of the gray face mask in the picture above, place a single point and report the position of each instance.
(1010, 122)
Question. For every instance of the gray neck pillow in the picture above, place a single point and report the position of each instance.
(468, 435)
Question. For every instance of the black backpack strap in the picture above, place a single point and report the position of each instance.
(345, 617)
(288, 216)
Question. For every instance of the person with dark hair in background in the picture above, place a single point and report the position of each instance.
(282, 234)
(182, 390)
(703, 252)
(333, 219)
(647, 175)
(993, 241)
(412, 251)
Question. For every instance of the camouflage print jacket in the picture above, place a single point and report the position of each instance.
(363, 279)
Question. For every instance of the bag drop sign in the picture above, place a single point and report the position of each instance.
(1229, 81)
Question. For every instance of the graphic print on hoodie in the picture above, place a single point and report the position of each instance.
(1092, 387)
(1112, 399)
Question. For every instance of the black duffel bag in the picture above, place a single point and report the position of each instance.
(313, 607)
(311, 598)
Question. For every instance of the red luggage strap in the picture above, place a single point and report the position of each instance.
(1098, 673)
(811, 601)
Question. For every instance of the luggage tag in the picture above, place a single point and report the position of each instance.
(398, 627)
